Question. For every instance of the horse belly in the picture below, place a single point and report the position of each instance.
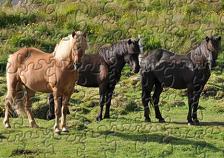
(36, 82)
(178, 83)
(173, 80)
(88, 79)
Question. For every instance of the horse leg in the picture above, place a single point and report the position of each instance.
(64, 111)
(197, 93)
(156, 95)
(28, 104)
(50, 114)
(9, 99)
(190, 103)
(146, 94)
(102, 101)
(57, 112)
(8, 104)
(195, 108)
(108, 101)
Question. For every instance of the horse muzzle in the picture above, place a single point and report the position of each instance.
(77, 66)
(136, 69)
(213, 64)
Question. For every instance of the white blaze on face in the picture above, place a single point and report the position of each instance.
(140, 43)
(210, 59)
(141, 49)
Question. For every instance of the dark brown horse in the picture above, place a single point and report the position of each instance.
(162, 68)
(103, 70)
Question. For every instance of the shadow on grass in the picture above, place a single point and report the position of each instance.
(18, 152)
(128, 120)
(213, 123)
(41, 111)
(2, 136)
(162, 139)
(73, 101)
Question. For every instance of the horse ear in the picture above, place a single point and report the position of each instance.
(73, 34)
(129, 41)
(207, 38)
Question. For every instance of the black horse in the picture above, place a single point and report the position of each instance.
(162, 68)
(103, 70)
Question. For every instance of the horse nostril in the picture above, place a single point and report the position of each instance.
(77, 66)
(136, 70)
(214, 64)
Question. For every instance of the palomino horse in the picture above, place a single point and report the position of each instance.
(166, 69)
(32, 70)
(103, 70)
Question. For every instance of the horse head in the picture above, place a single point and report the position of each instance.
(78, 48)
(213, 45)
(132, 55)
(72, 48)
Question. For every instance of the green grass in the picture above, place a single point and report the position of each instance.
(174, 25)
(125, 134)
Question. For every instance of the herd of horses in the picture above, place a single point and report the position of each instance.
(30, 70)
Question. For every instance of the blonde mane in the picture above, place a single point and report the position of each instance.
(63, 48)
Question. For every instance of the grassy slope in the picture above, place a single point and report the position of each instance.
(174, 25)
(125, 134)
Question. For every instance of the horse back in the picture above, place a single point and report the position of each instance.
(26, 58)
(161, 57)
(93, 71)
(170, 69)
(92, 63)
(152, 58)
(27, 54)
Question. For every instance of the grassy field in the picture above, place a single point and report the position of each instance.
(125, 134)
(174, 25)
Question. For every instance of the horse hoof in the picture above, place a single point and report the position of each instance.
(99, 118)
(65, 129)
(57, 131)
(147, 120)
(190, 123)
(50, 117)
(34, 126)
(196, 122)
(7, 125)
(162, 121)
(106, 116)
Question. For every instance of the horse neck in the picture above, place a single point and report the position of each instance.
(197, 55)
(114, 55)
(66, 62)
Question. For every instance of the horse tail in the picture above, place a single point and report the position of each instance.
(20, 100)
(15, 95)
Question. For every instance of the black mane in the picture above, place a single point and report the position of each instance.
(196, 47)
(197, 53)
(112, 51)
